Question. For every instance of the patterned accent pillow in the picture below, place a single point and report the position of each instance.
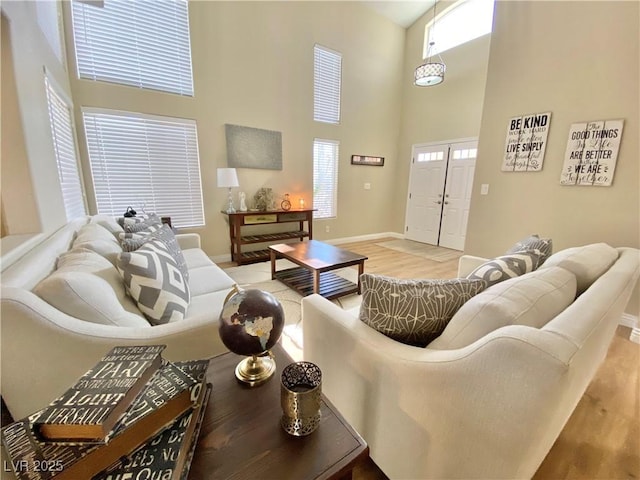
(150, 219)
(413, 311)
(543, 246)
(153, 279)
(133, 241)
(507, 266)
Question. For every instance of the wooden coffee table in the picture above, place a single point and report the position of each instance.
(241, 436)
(316, 260)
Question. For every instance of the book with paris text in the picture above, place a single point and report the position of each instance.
(89, 410)
(167, 396)
(167, 455)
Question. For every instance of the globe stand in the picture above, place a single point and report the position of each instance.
(256, 370)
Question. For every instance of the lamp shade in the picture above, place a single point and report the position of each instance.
(429, 74)
(227, 177)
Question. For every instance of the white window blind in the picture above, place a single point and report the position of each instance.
(64, 145)
(148, 162)
(325, 177)
(141, 43)
(327, 78)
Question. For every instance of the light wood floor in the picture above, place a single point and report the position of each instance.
(601, 439)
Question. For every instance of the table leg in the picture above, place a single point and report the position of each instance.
(272, 254)
(316, 281)
(360, 272)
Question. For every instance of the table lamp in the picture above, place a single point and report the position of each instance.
(228, 178)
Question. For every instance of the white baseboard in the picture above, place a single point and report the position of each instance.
(628, 320)
(363, 238)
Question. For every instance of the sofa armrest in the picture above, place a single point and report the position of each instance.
(468, 263)
(188, 240)
(449, 411)
(44, 350)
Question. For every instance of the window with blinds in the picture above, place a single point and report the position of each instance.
(148, 162)
(66, 153)
(325, 177)
(327, 79)
(142, 43)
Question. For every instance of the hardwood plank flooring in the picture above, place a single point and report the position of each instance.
(601, 439)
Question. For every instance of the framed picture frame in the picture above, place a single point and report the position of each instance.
(367, 160)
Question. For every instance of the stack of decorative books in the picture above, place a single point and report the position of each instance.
(132, 412)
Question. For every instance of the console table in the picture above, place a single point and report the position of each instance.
(245, 220)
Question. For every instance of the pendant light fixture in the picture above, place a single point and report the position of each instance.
(431, 72)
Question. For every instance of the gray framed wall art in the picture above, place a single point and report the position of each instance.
(249, 147)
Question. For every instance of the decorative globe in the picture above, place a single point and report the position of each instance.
(251, 323)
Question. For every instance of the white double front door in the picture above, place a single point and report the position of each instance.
(440, 187)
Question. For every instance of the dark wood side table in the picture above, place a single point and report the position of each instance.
(241, 437)
(240, 233)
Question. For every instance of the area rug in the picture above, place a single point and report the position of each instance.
(258, 276)
(424, 250)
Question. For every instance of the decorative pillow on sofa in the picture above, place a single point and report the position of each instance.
(587, 262)
(531, 300)
(507, 266)
(133, 241)
(88, 297)
(97, 238)
(413, 311)
(153, 279)
(136, 224)
(544, 246)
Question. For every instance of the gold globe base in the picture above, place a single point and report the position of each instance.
(255, 370)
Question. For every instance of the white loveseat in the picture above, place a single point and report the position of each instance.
(490, 409)
(44, 350)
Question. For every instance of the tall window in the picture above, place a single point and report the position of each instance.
(460, 23)
(148, 161)
(141, 43)
(327, 78)
(325, 177)
(66, 153)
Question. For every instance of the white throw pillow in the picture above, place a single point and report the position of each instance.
(532, 299)
(587, 262)
(108, 222)
(88, 297)
(88, 261)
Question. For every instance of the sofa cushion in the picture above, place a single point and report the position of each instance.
(88, 261)
(506, 266)
(153, 279)
(97, 238)
(88, 297)
(195, 258)
(108, 222)
(210, 278)
(532, 299)
(544, 246)
(133, 241)
(587, 262)
(413, 311)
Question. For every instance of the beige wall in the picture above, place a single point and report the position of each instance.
(578, 60)
(253, 66)
(448, 111)
(31, 201)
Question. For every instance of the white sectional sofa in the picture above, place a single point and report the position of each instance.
(491, 408)
(44, 349)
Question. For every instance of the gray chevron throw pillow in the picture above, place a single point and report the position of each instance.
(133, 241)
(543, 246)
(413, 311)
(507, 266)
(153, 279)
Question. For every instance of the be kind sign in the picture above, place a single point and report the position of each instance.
(526, 143)
(592, 152)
